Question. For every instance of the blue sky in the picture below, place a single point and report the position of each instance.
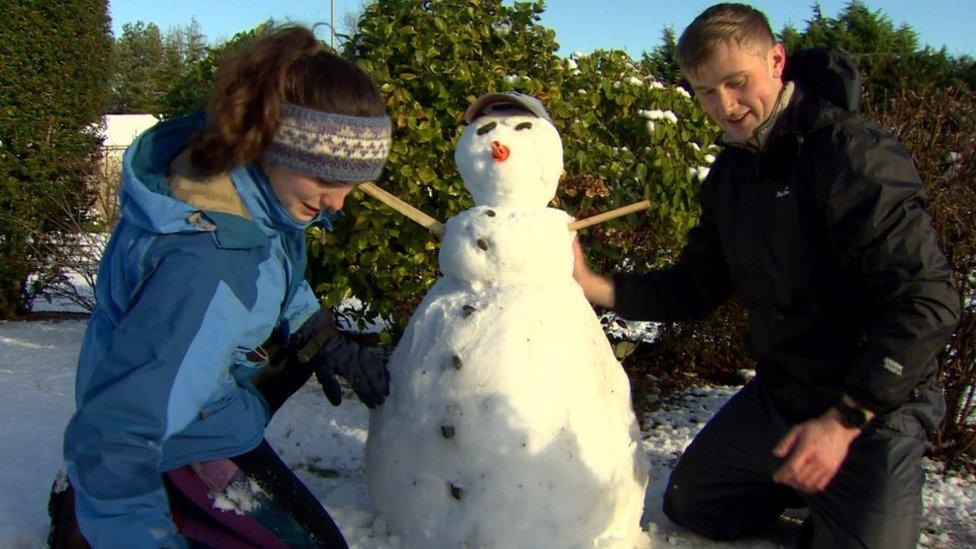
(584, 25)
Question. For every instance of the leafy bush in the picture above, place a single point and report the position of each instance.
(604, 105)
(80, 238)
(939, 128)
(628, 137)
(429, 79)
(53, 87)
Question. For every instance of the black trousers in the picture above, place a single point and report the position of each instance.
(722, 486)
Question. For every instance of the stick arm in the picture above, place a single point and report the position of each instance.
(606, 216)
(437, 227)
(414, 214)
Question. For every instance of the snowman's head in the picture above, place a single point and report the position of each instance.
(510, 155)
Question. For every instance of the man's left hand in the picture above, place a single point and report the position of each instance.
(814, 451)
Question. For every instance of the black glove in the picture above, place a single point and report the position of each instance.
(364, 369)
(329, 353)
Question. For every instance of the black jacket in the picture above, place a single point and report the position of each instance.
(825, 237)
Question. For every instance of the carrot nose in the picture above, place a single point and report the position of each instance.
(499, 152)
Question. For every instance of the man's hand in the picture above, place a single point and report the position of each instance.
(814, 451)
(597, 289)
(580, 270)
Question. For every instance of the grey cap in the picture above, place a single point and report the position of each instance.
(527, 102)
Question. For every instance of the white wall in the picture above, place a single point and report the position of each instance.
(121, 129)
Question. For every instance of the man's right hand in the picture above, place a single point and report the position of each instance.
(598, 289)
(813, 452)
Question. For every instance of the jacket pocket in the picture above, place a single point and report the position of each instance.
(248, 362)
(217, 405)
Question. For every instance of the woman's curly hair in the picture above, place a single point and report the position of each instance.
(286, 64)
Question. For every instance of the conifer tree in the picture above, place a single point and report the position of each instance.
(53, 87)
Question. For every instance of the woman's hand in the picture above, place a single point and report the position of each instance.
(364, 368)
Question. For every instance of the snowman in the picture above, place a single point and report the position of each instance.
(509, 421)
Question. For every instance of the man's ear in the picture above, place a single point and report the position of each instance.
(777, 59)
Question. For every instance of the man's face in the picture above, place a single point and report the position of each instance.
(738, 86)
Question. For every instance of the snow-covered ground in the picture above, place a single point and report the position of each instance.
(325, 445)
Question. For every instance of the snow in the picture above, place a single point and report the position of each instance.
(36, 399)
(700, 173)
(60, 303)
(629, 330)
(325, 446)
(523, 155)
(657, 114)
(240, 497)
(501, 28)
(509, 421)
(537, 408)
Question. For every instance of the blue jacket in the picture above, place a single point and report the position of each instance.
(183, 293)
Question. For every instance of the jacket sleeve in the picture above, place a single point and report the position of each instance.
(880, 230)
(302, 306)
(693, 286)
(167, 356)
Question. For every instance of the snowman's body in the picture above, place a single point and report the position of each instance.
(508, 422)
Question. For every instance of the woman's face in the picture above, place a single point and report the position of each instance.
(304, 195)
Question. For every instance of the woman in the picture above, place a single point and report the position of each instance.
(205, 265)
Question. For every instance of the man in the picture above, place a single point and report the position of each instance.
(815, 219)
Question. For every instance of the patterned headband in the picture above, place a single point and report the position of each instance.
(334, 147)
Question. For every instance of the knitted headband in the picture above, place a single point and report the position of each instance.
(334, 147)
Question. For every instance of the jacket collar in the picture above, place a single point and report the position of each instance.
(759, 136)
(828, 89)
(161, 192)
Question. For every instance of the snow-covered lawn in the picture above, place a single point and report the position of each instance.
(325, 446)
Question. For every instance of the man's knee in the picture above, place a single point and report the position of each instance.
(677, 505)
(686, 508)
(723, 507)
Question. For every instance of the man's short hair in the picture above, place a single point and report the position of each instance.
(720, 24)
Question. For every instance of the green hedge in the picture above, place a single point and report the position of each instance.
(53, 86)
(429, 78)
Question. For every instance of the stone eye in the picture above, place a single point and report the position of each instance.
(487, 128)
(524, 126)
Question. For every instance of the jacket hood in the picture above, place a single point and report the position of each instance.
(828, 77)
